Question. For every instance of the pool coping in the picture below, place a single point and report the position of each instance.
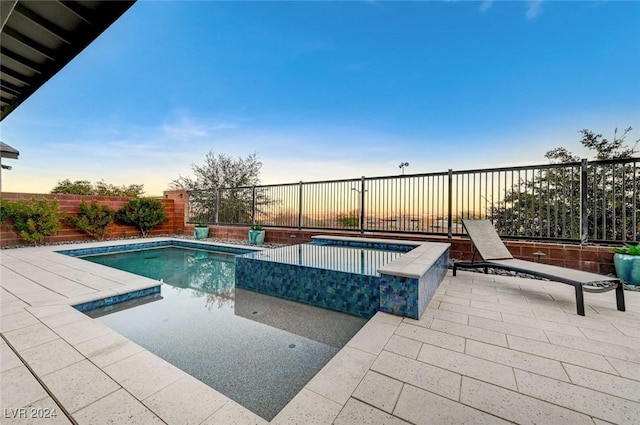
(163, 243)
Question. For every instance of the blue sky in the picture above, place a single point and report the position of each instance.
(323, 90)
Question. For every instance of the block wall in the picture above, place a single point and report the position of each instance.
(69, 205)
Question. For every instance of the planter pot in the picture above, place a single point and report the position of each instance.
(201, 232)
(256, 237)
(627, 268)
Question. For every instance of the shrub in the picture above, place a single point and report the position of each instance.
(144, 213)
(5, 210)
(93, 219)
(35, 219)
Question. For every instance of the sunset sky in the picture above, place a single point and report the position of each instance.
(324, 90)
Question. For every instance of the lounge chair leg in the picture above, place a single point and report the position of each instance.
(579, 299)
(620, 297)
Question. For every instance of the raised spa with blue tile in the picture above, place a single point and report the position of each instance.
(357, 276)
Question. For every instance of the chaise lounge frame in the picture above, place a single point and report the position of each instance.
(495, 255)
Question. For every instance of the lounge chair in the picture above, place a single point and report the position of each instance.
(495, 255)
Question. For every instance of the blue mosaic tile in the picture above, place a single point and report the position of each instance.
(81, 252)
(409, 297)
(116, 299)
(351, 293)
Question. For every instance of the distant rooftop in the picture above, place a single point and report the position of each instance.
(7, 151)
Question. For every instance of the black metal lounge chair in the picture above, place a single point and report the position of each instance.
(495, 255)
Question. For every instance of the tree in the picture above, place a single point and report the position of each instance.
(100, 188)
(93, 219)
(107, 189)
(349, 220)
(78, 187)
(223, 184)
(144, 213)
(36, 219)
(549, 204)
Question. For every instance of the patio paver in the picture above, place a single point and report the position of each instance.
(378, 390)
(423, 407)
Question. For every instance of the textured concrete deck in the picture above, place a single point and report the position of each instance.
(489, 349)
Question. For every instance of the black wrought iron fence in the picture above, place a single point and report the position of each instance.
(595, 201)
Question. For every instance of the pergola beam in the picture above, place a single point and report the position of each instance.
(40, 37)
(46, 25)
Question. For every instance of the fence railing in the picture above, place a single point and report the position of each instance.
(587, 201)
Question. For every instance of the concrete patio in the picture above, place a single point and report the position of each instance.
(489, 349)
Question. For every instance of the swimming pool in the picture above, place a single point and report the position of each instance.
(256, 349)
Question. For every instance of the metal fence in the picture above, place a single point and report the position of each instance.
(587, 201)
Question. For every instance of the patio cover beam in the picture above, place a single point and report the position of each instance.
(40, 37)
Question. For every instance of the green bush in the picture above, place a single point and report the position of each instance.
(144, 213)
(93, 219)
(35, 219)
(5, 210)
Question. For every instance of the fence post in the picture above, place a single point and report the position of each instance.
(217, 204)
(450, 205)
(584, 219)
(300, 206)
(362, 205)
(253, 205)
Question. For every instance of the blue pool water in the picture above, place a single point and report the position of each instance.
(365, 261)
(211, 272)
(256, 349)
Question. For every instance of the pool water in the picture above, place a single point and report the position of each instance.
(256, 349)
(212, 272)
(364, 261)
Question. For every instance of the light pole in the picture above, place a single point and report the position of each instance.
(361, 193)
(402, 165)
